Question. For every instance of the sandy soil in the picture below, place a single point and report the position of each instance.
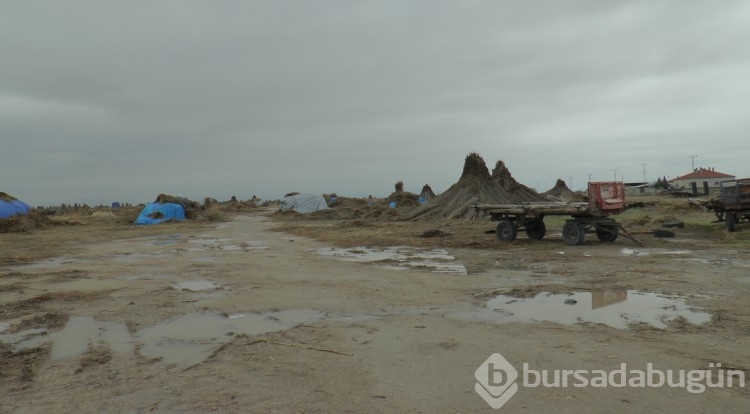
(264, 313)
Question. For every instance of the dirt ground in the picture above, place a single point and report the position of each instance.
(287, 313)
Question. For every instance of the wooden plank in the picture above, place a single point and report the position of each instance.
(535, 208)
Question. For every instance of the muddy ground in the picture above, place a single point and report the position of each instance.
(286, 313)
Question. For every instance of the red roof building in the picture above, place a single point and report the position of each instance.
(699, 176)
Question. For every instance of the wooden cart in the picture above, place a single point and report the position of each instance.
(733, 205)
(604, 199)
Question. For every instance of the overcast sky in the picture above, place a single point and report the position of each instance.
(106, 101)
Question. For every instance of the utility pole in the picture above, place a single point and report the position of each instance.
(615, 170)
(644, 164)
(692, 162)
(570, 182)
(589, 177)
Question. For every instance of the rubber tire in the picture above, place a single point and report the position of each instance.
(674, 224)
(606, 236)
(535, 229)
(663, 233)
(506, 230)
(729, 221)
(573, 233)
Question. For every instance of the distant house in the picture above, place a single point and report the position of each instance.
(699, 176)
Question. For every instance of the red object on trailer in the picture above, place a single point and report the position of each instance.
(606, 197)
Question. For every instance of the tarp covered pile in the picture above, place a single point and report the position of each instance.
(18, 217)
(167, 207)
(11, 206)
(155, 213)
(303, 203)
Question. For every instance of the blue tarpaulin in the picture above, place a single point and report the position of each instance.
(10, 208)
(155, 213)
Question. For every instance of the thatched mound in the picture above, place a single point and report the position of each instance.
(427, 193)
(399, 186)
(560, 191)
(192, 208)
(25, 223)
(7, 197)
(403, 199)
(377, 212)
(349, 202)
(517, 192)
(476, 186)
(234, 206)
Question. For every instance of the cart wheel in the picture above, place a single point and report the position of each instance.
(729, 221)
(536, 229)
(506, 230)
(607, 232)
(573, 232)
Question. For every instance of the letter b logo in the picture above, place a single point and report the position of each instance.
(496, 380)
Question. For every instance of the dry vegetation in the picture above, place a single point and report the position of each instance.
(379, 226)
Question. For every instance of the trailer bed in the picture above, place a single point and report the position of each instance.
(734, 202)
(536, 209)
(605, 198)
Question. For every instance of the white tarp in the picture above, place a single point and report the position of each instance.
(303, 203)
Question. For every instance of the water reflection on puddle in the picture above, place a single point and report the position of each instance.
(648, 252)
(134, 257)
(184, 340)
(398, 258)
(224, 244)
(80, 331)
(52, 262)
(196, 285)
(616, 308)
(189, 339)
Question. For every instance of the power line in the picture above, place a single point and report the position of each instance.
(719, 151)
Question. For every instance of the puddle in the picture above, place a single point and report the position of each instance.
(225, 244)
(185, 340)
(163, 242)
(647, 252)
(82, 331)
(89, 285)
(4, 326)
(28, 339)
(190, 339)
(255, 245)
(398, 258)
(145, 276)
(53, 262)
(616, 308)
(74, 339)
(196, 285)
(134, 257)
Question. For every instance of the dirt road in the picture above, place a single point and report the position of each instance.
(233, 317)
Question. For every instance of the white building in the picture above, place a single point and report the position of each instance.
(699, 176)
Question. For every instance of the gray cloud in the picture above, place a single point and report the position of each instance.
(104, 101)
